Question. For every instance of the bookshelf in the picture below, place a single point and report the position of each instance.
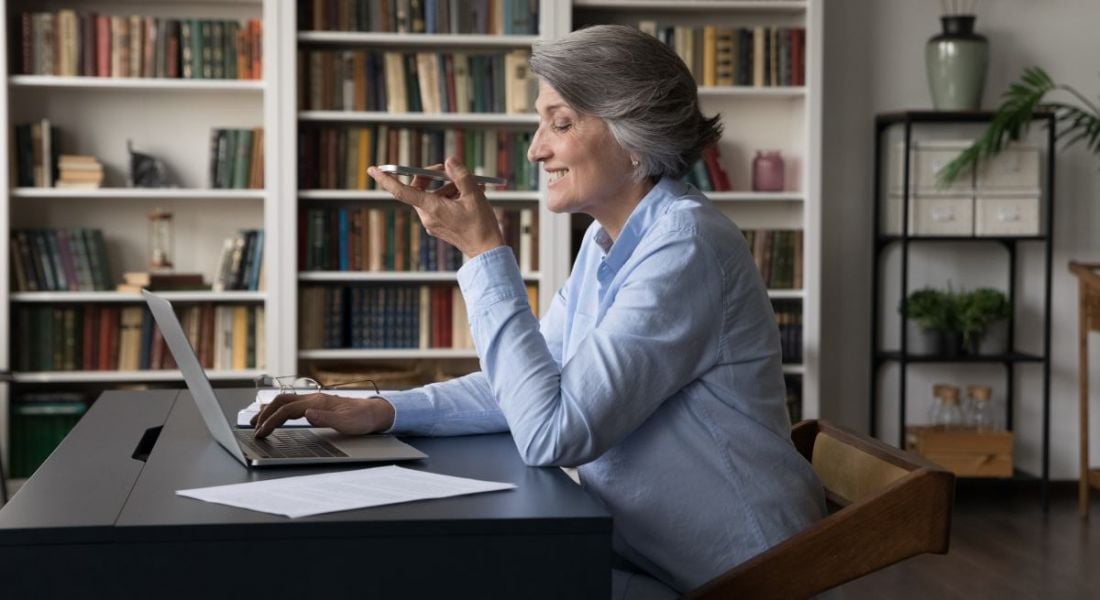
(171, 119)
(774, 117)
(309, 38)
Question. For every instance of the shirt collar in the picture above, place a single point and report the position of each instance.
(641, 219)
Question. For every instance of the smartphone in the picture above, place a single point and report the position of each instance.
(441, 175)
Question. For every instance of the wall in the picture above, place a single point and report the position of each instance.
(874, 63)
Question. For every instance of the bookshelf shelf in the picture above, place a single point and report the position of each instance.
(417, 118)
(493, 196)
(137, 83)
(794, 369)
(692, 5)
(396, 354)
(150, 193)
(417, 40)
(744, 90)
(126, 376)
(388, 276)
(198, 296)
(786, 294)
(756, 196)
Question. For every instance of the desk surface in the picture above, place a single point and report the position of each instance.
(91, 491)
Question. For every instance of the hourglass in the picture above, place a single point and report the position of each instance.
(160, 240)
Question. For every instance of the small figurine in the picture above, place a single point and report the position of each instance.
(146, 171)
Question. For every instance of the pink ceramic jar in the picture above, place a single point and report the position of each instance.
(767, 172)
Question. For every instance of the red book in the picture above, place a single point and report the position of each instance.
(713, 161)
(172, 50)
(256, 48)
(798, 57)
(103, 348)
(102, 46)
(449, 78)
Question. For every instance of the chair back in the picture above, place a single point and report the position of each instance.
(886, 505)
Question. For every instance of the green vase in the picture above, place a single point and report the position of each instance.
(957, 60)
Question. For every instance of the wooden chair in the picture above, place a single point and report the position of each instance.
(886, 505)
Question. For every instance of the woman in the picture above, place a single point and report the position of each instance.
(657, 368)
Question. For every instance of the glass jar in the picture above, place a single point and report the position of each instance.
(946, 412)
(982, 415)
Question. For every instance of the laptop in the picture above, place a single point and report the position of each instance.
(297, 446)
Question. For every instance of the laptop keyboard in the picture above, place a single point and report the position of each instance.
(288, 443)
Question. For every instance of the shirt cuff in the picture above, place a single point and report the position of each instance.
(413, 412)
(490, 277)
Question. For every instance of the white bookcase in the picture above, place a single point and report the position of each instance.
(787, 119)
(172, 119)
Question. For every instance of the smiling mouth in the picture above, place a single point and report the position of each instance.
(556, 174)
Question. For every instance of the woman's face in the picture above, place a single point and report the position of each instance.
(586, 167)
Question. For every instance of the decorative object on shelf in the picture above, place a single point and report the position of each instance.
(981, 413)
(1020, 105)
(767, 172)
(957, 60)
(946, 412)
(146, 171)
(932, 319)
(134, 282)
(160, 240)
(983, 320)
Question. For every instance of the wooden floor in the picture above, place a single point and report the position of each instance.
(1003, 547)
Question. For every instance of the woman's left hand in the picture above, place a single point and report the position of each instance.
(456, 213)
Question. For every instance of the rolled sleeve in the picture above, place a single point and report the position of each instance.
(414, 412)
(489, 278)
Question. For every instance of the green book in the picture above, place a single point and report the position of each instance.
(242, 159)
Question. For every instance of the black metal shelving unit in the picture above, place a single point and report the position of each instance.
(908, 120)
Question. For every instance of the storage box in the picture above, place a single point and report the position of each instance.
(965, 452)
(1015, 168)
(1006, 215)
(931, 215)
(928, 157)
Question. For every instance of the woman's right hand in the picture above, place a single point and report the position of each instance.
(352, 416)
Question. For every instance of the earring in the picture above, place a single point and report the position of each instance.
(634, 163)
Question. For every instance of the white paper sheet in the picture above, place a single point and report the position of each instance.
(347, 490)
(244, 417)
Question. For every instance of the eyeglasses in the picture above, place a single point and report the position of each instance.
(293, 384)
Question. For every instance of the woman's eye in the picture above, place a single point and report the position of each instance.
(562, 127)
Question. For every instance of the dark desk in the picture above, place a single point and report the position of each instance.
(93, 521)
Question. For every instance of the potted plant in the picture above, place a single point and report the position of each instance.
(1013, 117)
(983, 320)
(930, 316)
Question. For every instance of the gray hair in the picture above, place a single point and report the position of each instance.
(639, 87)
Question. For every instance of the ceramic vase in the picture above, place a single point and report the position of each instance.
(957, 60)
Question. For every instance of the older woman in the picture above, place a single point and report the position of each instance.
(656, 371)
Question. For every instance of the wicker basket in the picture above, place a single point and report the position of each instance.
(388, 377)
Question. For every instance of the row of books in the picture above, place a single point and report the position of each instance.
(106, 337)
(36, 154)
(59, 260)
(68, 43)
(393, 239)
(39, 422)
(794, 397)
(493, 17)
(241, 264)
(789, 317)
(431, 82)
(237, 159)
(756, 56)
(336, 158)
(778, 255)
(387, 317)
(708, 174)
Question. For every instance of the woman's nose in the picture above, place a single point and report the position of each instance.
(537, 151)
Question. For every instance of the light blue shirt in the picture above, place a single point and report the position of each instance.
(656, 371)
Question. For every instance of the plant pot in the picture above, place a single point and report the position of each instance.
(995, 339)
(952, 344)
(957, 60)
(921, 341)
